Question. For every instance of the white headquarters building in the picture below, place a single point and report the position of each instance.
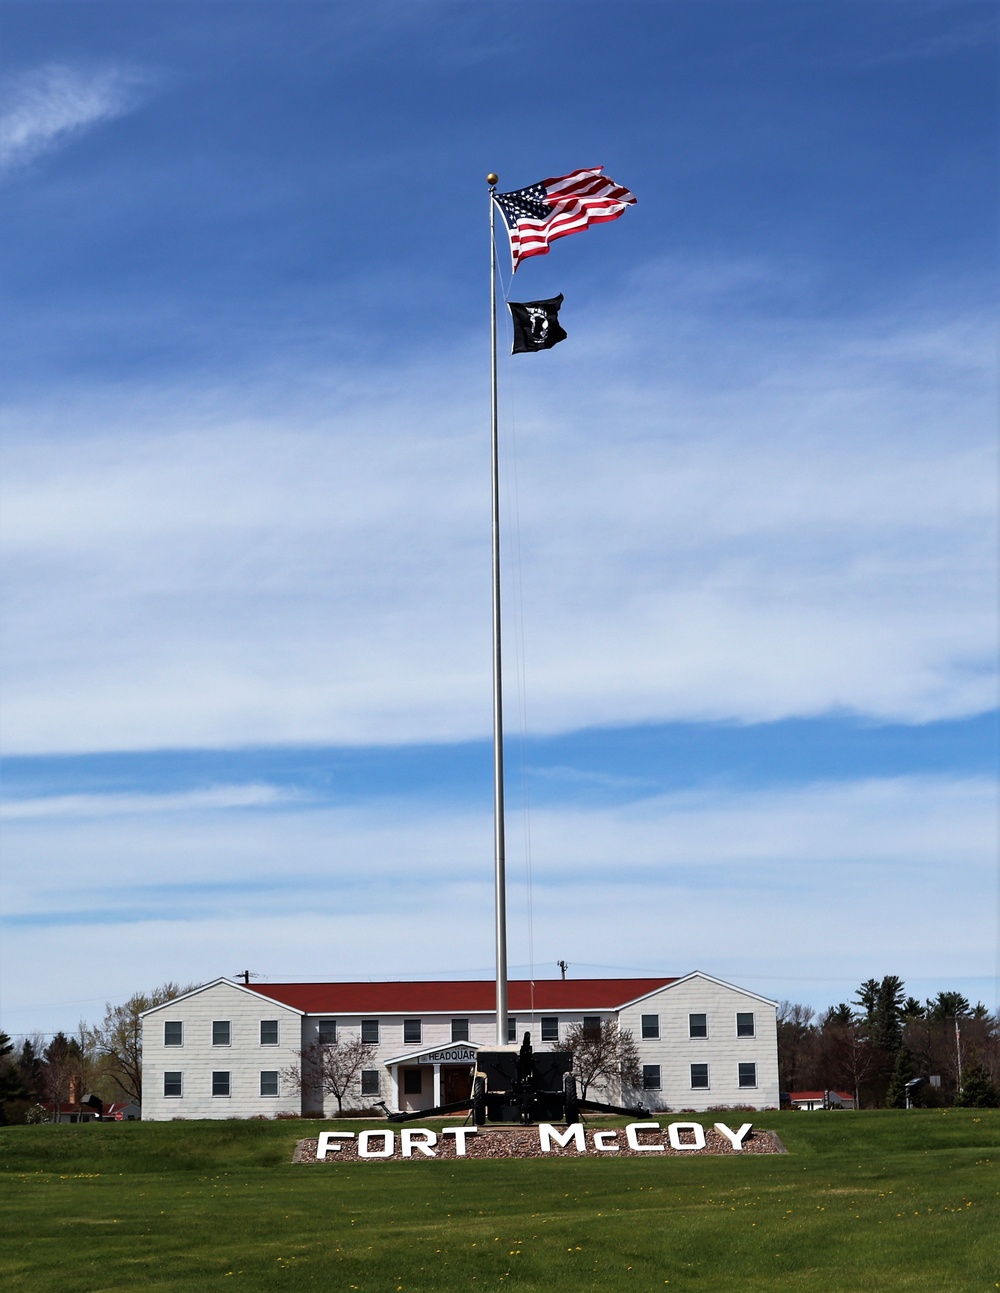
(222, 1051)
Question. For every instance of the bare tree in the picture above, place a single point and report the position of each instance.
(848, 1056)
(332, 1068)
(603, 1055)
(796, 1044)
(117, 1040)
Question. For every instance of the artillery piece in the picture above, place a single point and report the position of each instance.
(519, 1085)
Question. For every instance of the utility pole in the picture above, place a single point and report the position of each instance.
(563, 967)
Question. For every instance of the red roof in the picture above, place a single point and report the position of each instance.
(450, 997)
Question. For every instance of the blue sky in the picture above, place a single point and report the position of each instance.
(750, 504)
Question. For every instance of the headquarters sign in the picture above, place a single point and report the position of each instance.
(637, 1139)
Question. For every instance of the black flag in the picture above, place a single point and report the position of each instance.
(536, 324)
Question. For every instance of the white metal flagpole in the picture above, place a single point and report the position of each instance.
(499, 851)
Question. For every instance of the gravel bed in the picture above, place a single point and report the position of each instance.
(524, 1142)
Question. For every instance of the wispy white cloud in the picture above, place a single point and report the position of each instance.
(719, 518)
(128, 805)
(45, 108)
(791, 884)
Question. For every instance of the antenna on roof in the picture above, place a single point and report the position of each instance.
(563, 967)
(246, 976)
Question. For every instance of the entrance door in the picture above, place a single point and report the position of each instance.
(456, 1084)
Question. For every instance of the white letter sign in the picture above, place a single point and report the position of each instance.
(547, 1134)
(365, 1139)
(418, 1138)
(633, 1140)
(735, 1138)
(607, 1141)
(460, 1134)
(328, 1141)
(695, 1128)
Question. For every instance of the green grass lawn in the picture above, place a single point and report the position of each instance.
(862, 1201)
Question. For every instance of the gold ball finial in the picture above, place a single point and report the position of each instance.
(492, 179)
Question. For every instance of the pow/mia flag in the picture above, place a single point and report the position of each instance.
(536, 324)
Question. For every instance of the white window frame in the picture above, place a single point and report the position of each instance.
(708, 1077)
(746, 1037)
(270, 1095)
(319, 1032)
(698, 1037)
(277, 1032)
(414, 1025)
(229, 1032)
(170, 1095)
(173, 1023)
(653, 1036)
(378, 1031)
(219, 1095)
(746, 1086)
(460, 1033)
(648, 1086)
(378, 1081)
(547, 1034)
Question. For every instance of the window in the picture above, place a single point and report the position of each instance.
(550, 1028)
(413, 1081)
(511, 1029)
(459, 1030)
(369, 1030)
(327, 1035)
(269, 1081)
(412, 1032)
(220, 1083)
(745, 1024)
(697, 1025)
(651, 1025)
(748, 1075)
(173, 1033)
(369, 1082)
(172, 1084)
(650, 1077)
(221, 1032)
(592, 1027)
(269, 1032)
(699, 1076)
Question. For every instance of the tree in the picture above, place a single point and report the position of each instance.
(12, 1088)
(331, 1068)
(62, 1066)
(947, 1005)
(603, 1055)
(883, 1005)
(29, 1064)
(796, 1045)
(847, 1055)
(978, 1088)
(903, 1071)
(118, 1038)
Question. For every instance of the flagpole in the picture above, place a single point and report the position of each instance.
(499, 848)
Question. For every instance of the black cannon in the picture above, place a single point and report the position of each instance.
(521, 1085)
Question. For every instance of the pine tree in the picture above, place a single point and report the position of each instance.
(903, 1071)
(978, 1088)
(884, 1024)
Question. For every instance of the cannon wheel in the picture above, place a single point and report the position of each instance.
(571, 1103)
(479, 1101)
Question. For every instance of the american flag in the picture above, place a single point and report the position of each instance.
(551, 209)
